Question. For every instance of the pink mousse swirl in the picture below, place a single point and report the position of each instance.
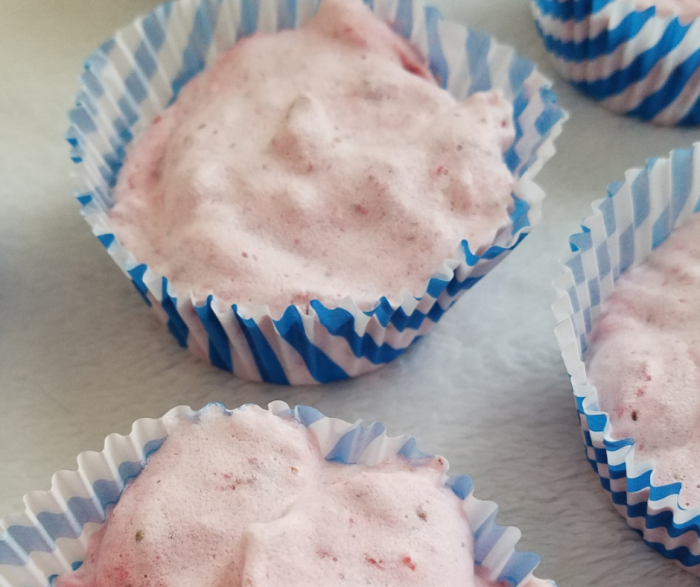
(316, 163)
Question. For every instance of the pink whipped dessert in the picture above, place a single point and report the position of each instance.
(644, 360)
(318, 163)
(248, 500)
(687, 10)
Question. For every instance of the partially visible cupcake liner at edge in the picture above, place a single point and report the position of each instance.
(134, 76)
(628, 58)
(51, 536)
(637, 216)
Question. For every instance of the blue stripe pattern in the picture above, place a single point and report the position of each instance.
(560, 21)
(353, 349)
(591, 265)
(18, 542)
(201, 37)
(219, 349)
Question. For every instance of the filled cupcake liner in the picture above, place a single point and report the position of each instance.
(637, 216)
(133, 77)
(628, 58)
(50, 537)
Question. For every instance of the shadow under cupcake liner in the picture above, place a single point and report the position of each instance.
(637, 216)
(629, 59)
(136, 75)
(51, 536)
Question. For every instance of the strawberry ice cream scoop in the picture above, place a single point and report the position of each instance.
(644, 360)
(248, 500)
(316, 163)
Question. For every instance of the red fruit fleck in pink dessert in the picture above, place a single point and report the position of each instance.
(316, 163)
(644, 360)
(294, 520)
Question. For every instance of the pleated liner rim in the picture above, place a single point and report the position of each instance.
(636, 216)
(629, 59)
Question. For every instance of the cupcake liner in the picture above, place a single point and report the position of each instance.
(631, 60)
(134, 76)
(51, 536)
(636, 217)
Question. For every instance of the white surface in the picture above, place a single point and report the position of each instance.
(81, 355)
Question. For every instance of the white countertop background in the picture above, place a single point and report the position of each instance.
(81, 356)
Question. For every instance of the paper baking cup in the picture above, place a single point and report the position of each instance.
(631, 60)
(51, 536)
(636, 217)
(133, 77)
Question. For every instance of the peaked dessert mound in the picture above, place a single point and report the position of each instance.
(644, 360)
(247, 500)
(316, 163)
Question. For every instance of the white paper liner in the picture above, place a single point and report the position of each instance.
(637, 216)
(133, 77)
(631, 60)
(51, 536)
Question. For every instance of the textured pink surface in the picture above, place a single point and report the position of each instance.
(319, 163)
(686, 9)
(645, 360)
(248, 500)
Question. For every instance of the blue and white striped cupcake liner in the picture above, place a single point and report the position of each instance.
(51, 536)
(631, 60)
(133, 77)
(637, 216)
